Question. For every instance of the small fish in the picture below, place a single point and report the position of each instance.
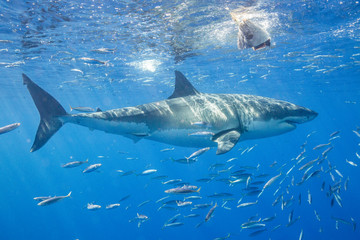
(231, 159)
(9, 128)
(333, 138)
(143, 203)
(92, 61)
(276, 227)
(141, 216)
(52, 200)
(183, 203)
(288, 172)
(248, 182)
(148, 172)
(182, 190)
(92, 168)
(357, 155)
(199, 224)
(175, 224)
(356, 133)
(300, 155)
(112, 206)
(354, 224)
(252, 225)
(309, 135)
(291, 216)
(321, 146)
(192, 197)
(82, 109)
(268, 219)
(292, 222)
(324, 154)
(185, 160)
(351, 163)
(338, 173)
(124, 198)
(40, 199)
(173, 219)
(332, 176)
(141, 219)
(161, 199)
(93, 207)
(276, 201)
(317, 215)
(346, 183)
(309, 197)
(198, 153)
(247, 204)
(308, 164)
(338, 199)
(210, 213)
(104, 50)
(269, 183)
(220, 195)
(77, 70)
(74, 164)
(172, 181)
(204, 180)
(201, 206)
(313, 174)
(167, 149)
(192, 215)
(273, 164)
(251, 148)
(301, 235)
(334, 133)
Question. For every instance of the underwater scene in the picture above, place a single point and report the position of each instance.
(179, 119)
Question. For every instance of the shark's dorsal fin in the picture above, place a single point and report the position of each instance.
(183, 87)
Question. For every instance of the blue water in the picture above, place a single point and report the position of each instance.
(314, 61)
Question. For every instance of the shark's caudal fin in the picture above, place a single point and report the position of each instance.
(183, 87)
(49, 110)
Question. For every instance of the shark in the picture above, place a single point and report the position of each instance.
(187, 118)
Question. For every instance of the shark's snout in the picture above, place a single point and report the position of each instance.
(312, 115)
(300, 115)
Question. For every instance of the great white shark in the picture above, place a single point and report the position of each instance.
(187, 118)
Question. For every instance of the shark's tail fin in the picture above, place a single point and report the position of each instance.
(49, 110)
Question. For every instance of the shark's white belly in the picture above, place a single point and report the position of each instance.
(262, 129)
(182, 137)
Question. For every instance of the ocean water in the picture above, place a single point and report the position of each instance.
(313, 61)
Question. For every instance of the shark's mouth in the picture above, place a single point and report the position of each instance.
(291, 122)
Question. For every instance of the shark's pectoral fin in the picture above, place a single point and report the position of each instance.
(226, 140)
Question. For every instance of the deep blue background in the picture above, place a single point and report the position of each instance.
(314, 62)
